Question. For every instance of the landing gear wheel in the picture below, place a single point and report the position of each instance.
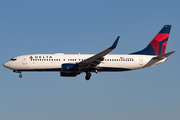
(20, 76)
(88, 75)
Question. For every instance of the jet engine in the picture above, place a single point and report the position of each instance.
(69, 70)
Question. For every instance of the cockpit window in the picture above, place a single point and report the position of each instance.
(13, 59)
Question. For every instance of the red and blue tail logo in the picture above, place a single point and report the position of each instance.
(158, 45)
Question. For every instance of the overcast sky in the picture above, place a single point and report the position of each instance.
(72, 27)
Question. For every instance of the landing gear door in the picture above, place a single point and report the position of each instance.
(140, 60)
(24, 60)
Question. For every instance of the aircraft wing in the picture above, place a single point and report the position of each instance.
(95, 60)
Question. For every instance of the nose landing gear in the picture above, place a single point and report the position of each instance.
(20, 76)
(18, 71)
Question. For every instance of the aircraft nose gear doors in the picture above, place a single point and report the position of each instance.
(88, 75)
(18, 71)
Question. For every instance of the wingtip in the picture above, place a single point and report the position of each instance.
(115, 43)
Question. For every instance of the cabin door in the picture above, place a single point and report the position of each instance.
(140, 60)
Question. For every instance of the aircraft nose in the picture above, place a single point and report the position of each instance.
(6, 64)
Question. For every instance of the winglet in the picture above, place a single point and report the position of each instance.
(115, 43)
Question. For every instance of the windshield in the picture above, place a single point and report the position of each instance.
(13, 59)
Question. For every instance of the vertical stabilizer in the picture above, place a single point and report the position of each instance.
(158, 45)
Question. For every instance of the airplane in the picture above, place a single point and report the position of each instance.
(71, 65)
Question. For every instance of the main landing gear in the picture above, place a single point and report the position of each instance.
(88, 75)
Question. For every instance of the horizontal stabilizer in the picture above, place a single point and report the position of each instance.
(164, 55)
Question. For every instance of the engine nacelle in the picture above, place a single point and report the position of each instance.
(69, 70)
(69, 67)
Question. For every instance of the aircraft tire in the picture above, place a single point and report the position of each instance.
(88, 75)
(20, 76)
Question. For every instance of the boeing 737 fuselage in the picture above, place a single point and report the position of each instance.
(71, 65)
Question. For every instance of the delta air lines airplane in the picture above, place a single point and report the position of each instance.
(71, 65)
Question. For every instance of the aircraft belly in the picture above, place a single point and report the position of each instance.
(44, 66)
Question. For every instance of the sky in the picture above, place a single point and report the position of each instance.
(88, 27)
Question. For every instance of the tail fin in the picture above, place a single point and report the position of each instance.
(158, 45)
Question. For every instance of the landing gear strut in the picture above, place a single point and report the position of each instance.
(88, 75)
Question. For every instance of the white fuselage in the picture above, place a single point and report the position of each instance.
(53, 62)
